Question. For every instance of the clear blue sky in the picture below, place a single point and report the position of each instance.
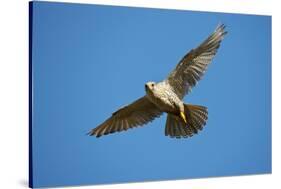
(90, 60)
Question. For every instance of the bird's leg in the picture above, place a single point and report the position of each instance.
(182, 115)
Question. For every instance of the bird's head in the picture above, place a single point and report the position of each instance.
(149, 86)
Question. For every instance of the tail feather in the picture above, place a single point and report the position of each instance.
(174, 127)
(196, 119)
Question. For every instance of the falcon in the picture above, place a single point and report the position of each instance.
(183, 120)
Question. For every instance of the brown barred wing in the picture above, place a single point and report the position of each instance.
(194, 64)
(136, 114)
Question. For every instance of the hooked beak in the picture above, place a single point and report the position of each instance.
(146, 86)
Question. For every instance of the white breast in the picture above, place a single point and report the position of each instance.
(164, 98)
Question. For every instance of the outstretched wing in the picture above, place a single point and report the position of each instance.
(193, 65)
(136, 114)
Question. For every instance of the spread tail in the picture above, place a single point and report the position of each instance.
(196, 117)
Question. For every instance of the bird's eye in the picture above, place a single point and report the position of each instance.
(152, 84)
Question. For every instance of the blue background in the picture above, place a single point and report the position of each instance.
(90, 60)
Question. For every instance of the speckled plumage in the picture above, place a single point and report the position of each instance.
(183, 120)
(163, 96)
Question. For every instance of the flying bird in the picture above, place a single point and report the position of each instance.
(183, 120)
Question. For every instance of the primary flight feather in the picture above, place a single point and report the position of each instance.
(183, 120)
